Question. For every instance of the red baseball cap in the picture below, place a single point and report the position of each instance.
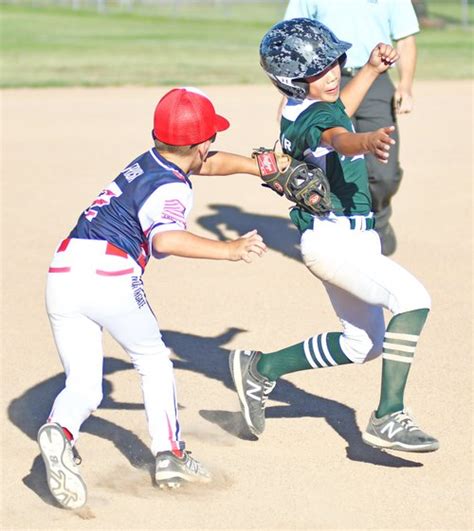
(186, 116)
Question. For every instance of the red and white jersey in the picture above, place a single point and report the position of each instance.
(149, 196)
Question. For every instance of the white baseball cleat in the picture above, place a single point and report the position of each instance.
(64, 478)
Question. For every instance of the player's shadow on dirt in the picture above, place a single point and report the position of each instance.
(207, 356)
(278, 233)
(29, 411)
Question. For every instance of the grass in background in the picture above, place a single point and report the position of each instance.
(61, 47)
(451, 11)
(48, 47)
(445, 54)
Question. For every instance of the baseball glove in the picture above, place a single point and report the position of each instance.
(305, 185)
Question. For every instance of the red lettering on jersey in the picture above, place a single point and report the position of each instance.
(90, 214)
(103, 199)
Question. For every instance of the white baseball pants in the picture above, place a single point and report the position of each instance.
(360, 282)
(93, 285)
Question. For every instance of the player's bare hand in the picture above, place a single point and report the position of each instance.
(380, 142)
(246, 246)
(382, 57)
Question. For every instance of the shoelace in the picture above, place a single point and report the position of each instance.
(406, 420)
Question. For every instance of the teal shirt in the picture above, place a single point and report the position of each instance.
(363, 23)
(302, 125)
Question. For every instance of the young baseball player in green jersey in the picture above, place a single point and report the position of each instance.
(303, 59)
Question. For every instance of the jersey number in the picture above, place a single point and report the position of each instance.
(103, 199)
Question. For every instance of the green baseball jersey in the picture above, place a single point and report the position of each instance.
(302, 125)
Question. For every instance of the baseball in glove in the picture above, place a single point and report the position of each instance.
(301, 183)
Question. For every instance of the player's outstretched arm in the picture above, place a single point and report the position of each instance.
(381, 58)
(189, 245)
(223, 163)
(351, 144)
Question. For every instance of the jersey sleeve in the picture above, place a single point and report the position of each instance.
(403, 19)
(322, 117)
(167, 208)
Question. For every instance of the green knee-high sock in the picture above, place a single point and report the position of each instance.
(399, 347)
(316, 352)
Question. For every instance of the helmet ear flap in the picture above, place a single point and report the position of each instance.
(290, 88)
(302, 84)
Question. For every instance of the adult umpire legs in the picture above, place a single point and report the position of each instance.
(376, 111)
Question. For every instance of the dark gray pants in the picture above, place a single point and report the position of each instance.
(376, 111)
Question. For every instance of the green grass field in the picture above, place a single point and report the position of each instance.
(450, 11)
(60, 47)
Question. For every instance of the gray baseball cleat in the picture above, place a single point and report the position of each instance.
(61, 462)
(171, 471)
(252, 388)
(398, 431)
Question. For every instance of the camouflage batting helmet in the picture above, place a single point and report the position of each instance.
(296, 49)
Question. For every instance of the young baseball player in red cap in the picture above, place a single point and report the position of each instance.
(95, 282)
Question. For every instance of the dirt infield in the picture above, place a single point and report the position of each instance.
(310, 469)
